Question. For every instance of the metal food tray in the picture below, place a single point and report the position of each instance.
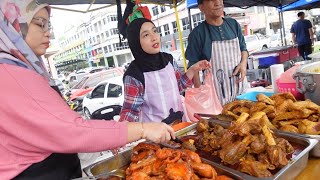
(315, 152)
(290, 171)
(109, 167)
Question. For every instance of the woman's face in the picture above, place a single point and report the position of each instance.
(149, 38)
(39, 32)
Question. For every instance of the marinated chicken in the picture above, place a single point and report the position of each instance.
(149, 161)
(248, 144)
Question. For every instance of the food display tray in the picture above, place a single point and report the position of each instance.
(290, 171)
(116, 165)
(111, 166)
(315, 152)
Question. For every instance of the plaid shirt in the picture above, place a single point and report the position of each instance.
(134, 93)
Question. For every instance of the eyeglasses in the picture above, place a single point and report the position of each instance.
(43, 23)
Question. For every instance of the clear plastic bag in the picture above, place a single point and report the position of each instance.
(202, 100)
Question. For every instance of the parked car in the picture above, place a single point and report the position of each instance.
(275, 40)
(257, 42)
(90, 80)
(108, 93)
(91, 69)
(74, 78)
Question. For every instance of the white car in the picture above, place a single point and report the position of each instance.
(257, 42)
(107, 93)
(276, 39)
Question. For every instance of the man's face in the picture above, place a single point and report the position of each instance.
(212, 8)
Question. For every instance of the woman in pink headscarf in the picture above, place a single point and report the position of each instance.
(39, 134)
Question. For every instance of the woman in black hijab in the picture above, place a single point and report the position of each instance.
(153, 81)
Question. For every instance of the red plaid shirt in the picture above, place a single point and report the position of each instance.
(134, 93)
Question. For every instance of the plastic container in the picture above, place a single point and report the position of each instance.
(289, 87)
(251, 96)
(267, 60)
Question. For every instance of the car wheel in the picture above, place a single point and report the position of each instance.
(86, 113)
(264, 47)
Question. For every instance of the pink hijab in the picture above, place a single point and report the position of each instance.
(15, 16)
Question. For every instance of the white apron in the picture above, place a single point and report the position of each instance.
(161, 94)
(225, 56)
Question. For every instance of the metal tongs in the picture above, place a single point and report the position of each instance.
(176, 140)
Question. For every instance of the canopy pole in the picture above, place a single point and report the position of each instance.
(189, 15)
(280, 21)
(283, 28)
(180, 34)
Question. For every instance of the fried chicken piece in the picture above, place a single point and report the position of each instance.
(179, 171)
(227, 139)
(303, 113)
(235, 104)
(234, 152)
(285, 145)
(258, 145)
(265, 99)
(269, 109)
(231, 114)
(290, 128)
(307, 127)
(254, 168)
(264, 159)
(202, 126)
(204, 170)
(268, 134)
(277, 156)
(304, 105)
(280, 97)
(283, 107)
(240, 110)
(314, 118)
(291, 122)
(259, 106)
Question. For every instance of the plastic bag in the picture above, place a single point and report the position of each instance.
(202, 100)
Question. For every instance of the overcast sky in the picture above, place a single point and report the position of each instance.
(61, 19)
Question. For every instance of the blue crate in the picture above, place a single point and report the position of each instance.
(251, 96)
(265, 62)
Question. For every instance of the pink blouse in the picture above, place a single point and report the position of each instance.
(35, 122)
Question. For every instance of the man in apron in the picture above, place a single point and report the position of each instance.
(220, 41)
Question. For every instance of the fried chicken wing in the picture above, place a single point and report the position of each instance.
(265, 99)
(307, 127)
(239, 103)
(304, 105)
(178, 171)
(290, 128)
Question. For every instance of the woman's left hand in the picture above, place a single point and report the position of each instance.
(242, 68)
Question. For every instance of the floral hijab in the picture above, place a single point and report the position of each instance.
(15, 16)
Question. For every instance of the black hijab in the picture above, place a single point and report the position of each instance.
(143, 62)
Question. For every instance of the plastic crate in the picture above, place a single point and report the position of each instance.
(251, 96)
(289, 87)
(267, 60)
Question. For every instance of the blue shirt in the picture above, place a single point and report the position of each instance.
(301, 30)
(200, 39)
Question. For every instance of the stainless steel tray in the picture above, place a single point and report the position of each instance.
(109, 167)
(290, 171)
(315, 152)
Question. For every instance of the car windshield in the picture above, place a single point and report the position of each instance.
(80, 83)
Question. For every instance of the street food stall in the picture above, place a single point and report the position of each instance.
(268, 137)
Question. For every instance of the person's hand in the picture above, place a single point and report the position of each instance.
(242, 68)
(199, 66)
(157, 132)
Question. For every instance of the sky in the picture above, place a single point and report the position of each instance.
(61, 19)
